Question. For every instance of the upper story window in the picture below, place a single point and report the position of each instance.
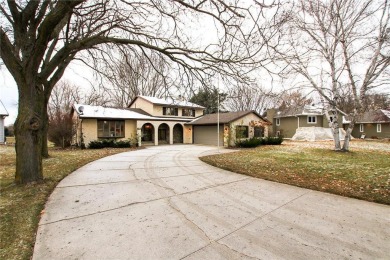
(188, 112)
(242, 131)
(170, 111)
(277, 121)
(108, 129)
(311, 119)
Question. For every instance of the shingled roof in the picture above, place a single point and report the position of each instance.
(300, 110)
(375, 116)
(224, 118)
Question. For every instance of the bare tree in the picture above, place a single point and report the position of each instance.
(38, 40)
(63, 96)
(336, 46)
(250, 97)
(147, 75)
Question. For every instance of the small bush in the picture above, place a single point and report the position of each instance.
(99, 144)
(95, 145)
(123, 144)
(272, 140)
(249, 143)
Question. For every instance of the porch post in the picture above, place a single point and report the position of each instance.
(155, 134)
(170, 134)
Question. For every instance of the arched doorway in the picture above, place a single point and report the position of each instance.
(178, 133)
(147, 133)
(163, 133)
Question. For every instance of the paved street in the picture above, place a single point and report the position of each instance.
(162, 202)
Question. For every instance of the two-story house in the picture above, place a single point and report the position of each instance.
(154, 121)
(306, 122)
(148, 120)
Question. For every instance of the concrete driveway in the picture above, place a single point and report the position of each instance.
(164, 203)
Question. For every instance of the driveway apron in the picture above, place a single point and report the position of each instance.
(164, 203)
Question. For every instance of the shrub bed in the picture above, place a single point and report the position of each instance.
(99, 144)
(254, 142)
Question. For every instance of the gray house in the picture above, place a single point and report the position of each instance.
(301, 123)
(372, 124)
(3, 114)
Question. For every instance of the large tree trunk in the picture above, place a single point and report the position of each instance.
(29, 133)
(45, 129)
(348, 136)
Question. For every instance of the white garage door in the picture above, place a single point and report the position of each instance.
(207, 134)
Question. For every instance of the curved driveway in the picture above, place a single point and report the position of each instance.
(164, 203)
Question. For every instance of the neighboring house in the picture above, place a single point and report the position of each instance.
(301, 122)
(232, 126)
(3, 114)
(147, 120)
(372, 124)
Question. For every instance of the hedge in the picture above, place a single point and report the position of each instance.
(99, 144)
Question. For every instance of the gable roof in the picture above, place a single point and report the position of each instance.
(300, 110)
(224, 118)
(3, 110)
(167, 102)
(375, 116)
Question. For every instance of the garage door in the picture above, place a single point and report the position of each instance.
(207, 134)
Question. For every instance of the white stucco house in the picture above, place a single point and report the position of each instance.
(3, 114)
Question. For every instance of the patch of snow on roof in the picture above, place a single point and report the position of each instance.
(170, 102)
(386, 112)
(87, 111)
(3, 110)
(345, 121)
(312, 110)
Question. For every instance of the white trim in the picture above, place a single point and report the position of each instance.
(361, 128)
(315, 119)
(277, 121)
(378, 128)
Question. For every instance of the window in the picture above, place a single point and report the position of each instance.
(258, 131)
(170, 111)
(361, 128)
(378, 128)
(188, 112)
(311, 119)
(277, 133)
(277, 121)
(242, 131)
(331, 119)
(111, 128)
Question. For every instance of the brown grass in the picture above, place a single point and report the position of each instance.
(362, 174)
(20, 205)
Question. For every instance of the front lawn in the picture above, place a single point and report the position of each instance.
(363, 173)
(21, 205)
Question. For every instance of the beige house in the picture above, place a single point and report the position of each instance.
(147, 120)
(154, 121)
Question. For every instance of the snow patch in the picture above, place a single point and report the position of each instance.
(316, 134)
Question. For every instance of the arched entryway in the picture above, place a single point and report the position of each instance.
(178, 133)
(163, 134)
(147, 133)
